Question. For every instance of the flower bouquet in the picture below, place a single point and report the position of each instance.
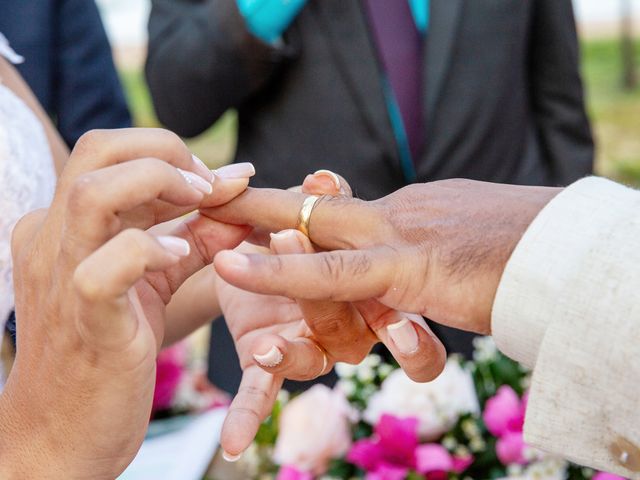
(377, 424)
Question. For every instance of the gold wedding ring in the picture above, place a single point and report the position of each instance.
(325, 359)
(304, 217)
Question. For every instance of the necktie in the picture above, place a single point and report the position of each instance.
(399, 45)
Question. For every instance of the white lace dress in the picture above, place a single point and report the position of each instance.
(27, 176)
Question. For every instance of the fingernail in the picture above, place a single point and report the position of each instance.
(404, 335)
(236, 170)
(286, 241)
(231, 458)
(197, 182)
(175, 245)
(330, 175)
(272, 358)
(203, 169)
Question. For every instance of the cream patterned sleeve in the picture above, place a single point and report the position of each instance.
(568, 306)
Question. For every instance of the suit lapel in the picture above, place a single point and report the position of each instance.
(355, 56)
(443, 30)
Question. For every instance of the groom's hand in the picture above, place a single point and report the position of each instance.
(91, 289)
(280, 338)
(436, 249)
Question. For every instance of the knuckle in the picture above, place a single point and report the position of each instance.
(83, 193)
(89, 141)
(137, 242)
(171, 143)
(86, 285)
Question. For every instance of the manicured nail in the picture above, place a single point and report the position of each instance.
(203, 169)
(236, 170)
(330, 175)
(404, 335)
(175, 245)
(272, 358)
(231, 458)
(286, 241)
(197, 182)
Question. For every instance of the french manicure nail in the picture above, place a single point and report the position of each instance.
(203, 169)
(175, 245)
(286, 241)
(404, 336)
(328, 173)
(271, 359)
(197, 182)
(231, 458)
(236, 170)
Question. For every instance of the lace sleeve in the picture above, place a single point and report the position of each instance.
(7, 52)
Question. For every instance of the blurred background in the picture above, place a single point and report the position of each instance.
(610, 54)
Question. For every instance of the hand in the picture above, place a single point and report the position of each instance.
(279, 338)
(436, 249)
(91, 289)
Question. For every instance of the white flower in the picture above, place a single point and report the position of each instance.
(347, 387)
(345, 370)
(484, 349)
(437, 405)
(550, 468)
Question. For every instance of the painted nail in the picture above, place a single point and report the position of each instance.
(236, 170)
(272, 358)
(404, 335)
(203, 169)
(286, 241)
(175, 245)
(330, 175)
(197, 182)
(231, 458)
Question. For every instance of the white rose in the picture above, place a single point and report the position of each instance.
(437, 405)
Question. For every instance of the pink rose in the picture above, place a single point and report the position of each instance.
(433, 460)
(314, 428)
(606, 476)
(291, 473)
(388, 472)
(366, 454)
(504, 412)
(510, 448)
(169, 372)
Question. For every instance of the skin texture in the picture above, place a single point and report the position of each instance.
(302, 330)
(91, 292)
(435, 249)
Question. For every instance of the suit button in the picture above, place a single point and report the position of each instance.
(626, 453)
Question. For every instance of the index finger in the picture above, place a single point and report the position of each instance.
(335, 223)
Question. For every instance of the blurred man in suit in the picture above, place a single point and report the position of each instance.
(68, 63)
(385, 93)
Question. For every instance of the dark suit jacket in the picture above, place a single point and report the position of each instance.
(503, 98)
(68, 63)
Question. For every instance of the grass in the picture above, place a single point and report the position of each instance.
(615, 114)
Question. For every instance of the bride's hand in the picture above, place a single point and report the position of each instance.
(279, 338)
(91, 288)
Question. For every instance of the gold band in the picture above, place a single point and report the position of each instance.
(325, 359)
(304, 217)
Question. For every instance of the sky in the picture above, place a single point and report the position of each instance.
(126, 19)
